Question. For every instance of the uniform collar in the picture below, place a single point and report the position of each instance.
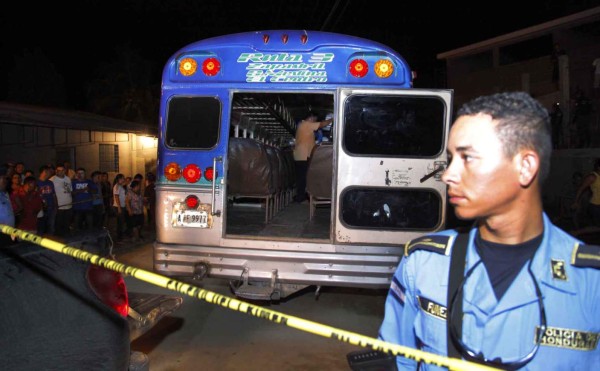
(480, 294)
(549, 263)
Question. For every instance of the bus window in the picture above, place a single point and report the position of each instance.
(193, 122)
(394, 126)
(390, 209)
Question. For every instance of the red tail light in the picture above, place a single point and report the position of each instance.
(359, 68)
(211, 66)
(209, 174)
(109, 287)
(192, 201)
(192, 173)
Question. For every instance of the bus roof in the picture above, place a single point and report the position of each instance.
(288, 57)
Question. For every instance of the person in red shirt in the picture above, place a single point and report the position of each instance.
(31, 204)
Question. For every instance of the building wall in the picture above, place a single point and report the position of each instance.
(36, 146)
(480, 73)
(534, 75)
(471, 74)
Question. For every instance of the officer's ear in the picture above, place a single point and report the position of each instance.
(528, 166)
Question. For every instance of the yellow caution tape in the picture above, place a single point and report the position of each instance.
(240, 306)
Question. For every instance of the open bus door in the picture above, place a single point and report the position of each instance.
(390, 155)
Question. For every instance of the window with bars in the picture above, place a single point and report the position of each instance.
(109, 157)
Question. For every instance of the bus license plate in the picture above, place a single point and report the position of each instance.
(191, 218)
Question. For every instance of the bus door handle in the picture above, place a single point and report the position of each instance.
(440, 168)
(214, 186)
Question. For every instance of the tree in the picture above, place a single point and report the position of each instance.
(34, 80)
(125, 88)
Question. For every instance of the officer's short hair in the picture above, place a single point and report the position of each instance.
(521, 122)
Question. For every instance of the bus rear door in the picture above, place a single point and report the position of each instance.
(391, 151)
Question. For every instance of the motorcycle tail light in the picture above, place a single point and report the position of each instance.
(109, 287)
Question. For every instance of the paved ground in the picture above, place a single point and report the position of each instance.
(204, 336)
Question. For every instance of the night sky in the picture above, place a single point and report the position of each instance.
(80, 37)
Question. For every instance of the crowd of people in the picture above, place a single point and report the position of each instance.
(58, 201)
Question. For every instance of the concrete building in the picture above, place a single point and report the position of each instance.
(523, 60)
(527, 60)
(38, 135)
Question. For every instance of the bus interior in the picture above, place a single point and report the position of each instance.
(261, 170)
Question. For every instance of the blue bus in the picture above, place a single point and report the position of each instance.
(230, 106)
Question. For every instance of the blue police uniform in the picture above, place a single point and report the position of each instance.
(566, 272)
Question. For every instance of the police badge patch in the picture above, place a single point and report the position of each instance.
(558, 269)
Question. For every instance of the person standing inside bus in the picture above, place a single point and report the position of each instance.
(304, 143)
(514, 290)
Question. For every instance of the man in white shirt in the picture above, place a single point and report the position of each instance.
(63, 188)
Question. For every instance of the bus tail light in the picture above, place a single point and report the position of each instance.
(192, 201)
(359, 68)
(384, 68)
(192, 173)
(109, 287)
(172, 172)
(188, 66)
(211, 66)
(209, 174)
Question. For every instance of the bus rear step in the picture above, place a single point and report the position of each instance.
(256, 292)
(261, 290)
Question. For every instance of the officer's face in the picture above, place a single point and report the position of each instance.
(481, 180)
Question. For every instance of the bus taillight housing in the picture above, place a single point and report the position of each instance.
(188, 66)
(192, 173)
(211, 66)
(209, 174)
(192, 202)
(359, 68)
(383, 68)
(172, 172)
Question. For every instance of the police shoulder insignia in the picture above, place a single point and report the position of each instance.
(437, 243)
(586, 256)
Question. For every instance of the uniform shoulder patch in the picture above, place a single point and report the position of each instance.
(586, 256)
(436, 243)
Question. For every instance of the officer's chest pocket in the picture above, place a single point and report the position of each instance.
(431, 331)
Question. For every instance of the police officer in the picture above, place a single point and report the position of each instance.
(525, 294)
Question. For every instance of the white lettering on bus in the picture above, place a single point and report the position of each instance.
(289, 66)
(260, 57)
(286, 76)
(321, 57)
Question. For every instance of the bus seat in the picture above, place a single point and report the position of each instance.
(250, 172)
(276, 175)
(290, 166)
(319, 176)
